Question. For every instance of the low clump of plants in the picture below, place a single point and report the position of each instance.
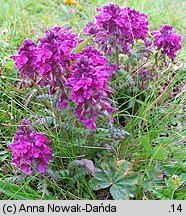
(98, 129)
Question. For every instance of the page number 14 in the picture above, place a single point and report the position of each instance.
(176, 208)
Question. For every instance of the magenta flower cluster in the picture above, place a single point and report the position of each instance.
(49, 62)
(55, 65)
(29, 149)
(89, 82)
(83, 77)
(53, 57)
(167, 40)
(25, 61)
(117, 27)
(53, 60)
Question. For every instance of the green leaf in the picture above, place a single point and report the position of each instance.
(121, 187)
(119, 192)
(120, 78)
(162, 194)
(159, 153)
(153, 171)
(183, 177)
(82, 45)
(178, 152)
(125, 188)
(147, 185)
(131, 179)
(180, 193)
(100, 181)
(146, 144)
(124, 166)
(17, 192)
(174, 168)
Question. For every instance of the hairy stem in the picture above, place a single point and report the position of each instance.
(117, 56)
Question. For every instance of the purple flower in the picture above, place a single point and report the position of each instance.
(49, 62)
(89, 82)
(134, 24)
(118, 28)
(167, 40)
(81, 77)
(30, 149)
(25, 61)
(53, 58)
(142, 72)
(107, 19)
(91, 28)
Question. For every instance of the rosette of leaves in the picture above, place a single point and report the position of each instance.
(118, 177)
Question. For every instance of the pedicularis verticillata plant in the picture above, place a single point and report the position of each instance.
(83, 76)
(29, 149)
(89, 85)
(118, 28)
(167, 41)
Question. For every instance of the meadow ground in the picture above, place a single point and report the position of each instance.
(141, 155)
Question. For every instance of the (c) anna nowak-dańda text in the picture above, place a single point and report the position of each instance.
(68, 208)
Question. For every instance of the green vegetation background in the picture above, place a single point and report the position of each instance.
(20, 19)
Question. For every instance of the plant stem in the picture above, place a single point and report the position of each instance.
(172, 195)
(117, 56)
(156, 62)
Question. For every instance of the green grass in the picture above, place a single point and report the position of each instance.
(156, 123)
